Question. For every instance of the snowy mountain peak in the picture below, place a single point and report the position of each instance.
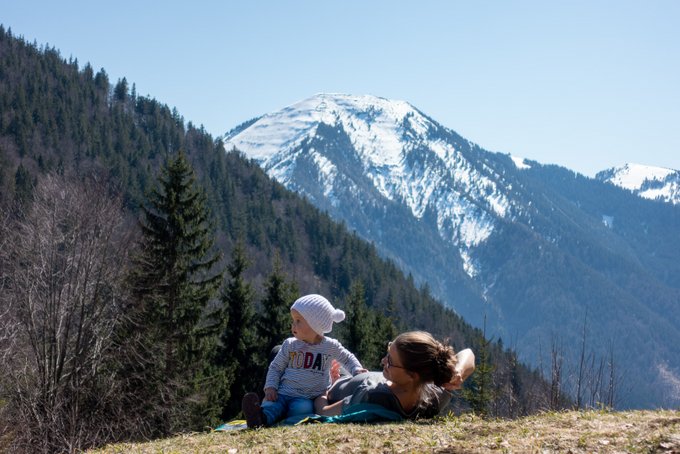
(335, 146)
(374, 123)
(656, 183)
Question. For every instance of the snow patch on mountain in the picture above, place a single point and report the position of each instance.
(469, 264)
(519, 162)
(328, 171)
(632, 176)
(656, 183)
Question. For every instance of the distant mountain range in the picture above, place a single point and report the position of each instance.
(533, 252)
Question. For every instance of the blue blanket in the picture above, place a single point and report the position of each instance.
(356, 413)
(366, 413)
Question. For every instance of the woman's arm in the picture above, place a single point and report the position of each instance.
(322, 407)
(465, 366)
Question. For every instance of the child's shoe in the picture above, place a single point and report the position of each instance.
(250, 405)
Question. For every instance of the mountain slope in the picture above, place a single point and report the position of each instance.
(533, 251)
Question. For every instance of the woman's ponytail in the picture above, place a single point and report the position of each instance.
(445, 362)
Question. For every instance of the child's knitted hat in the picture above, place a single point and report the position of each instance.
(318, 313)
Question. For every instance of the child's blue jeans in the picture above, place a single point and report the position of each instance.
(285, 406)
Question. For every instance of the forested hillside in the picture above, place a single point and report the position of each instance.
(66, 129)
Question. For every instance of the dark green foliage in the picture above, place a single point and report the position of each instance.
(366, 331)
(385, 331)
(360, 327)
(479, 394)
(274, 320)
(173, 280)
(23, 185)
(240, 346)
(175, 270)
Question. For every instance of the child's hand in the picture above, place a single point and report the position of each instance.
(270, 394)
(335, 371)
(360, 371)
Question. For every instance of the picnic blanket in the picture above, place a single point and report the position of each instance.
(359, 413)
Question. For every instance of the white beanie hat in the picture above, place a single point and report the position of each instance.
(318, 313)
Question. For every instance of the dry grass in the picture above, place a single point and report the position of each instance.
(575, 432)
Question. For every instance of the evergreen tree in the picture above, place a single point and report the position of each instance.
(174, 278)
(480, 395)
(360, 323)
(23, 185)
(120, 92)
(240, 347)
(385, 331)
(274, 321)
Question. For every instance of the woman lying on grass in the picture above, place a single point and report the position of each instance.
(418, 376)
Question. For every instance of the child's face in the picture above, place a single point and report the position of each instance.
(301, 329)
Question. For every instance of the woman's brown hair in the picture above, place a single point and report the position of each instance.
(423, 354)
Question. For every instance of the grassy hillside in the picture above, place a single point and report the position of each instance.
(591, 431)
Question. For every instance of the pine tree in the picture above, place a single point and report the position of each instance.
(274, 321)
(174, 279)
(480, 395)
(23, 185)
(385, 331)
(360, 323)
(240, 348)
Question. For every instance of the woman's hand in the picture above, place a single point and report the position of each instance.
(455, 383)
(322, 407)
(320, 403)
(465, 366)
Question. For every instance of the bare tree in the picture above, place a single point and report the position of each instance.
(60, 270)
(595, 383)
(582, 363)
(614, 384)
(556, 364)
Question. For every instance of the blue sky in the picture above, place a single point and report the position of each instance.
(583, 84)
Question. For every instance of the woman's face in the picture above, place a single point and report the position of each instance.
(392, 364)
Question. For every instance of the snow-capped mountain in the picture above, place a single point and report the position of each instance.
(655, 183)
(405, 156)
(530, 251)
